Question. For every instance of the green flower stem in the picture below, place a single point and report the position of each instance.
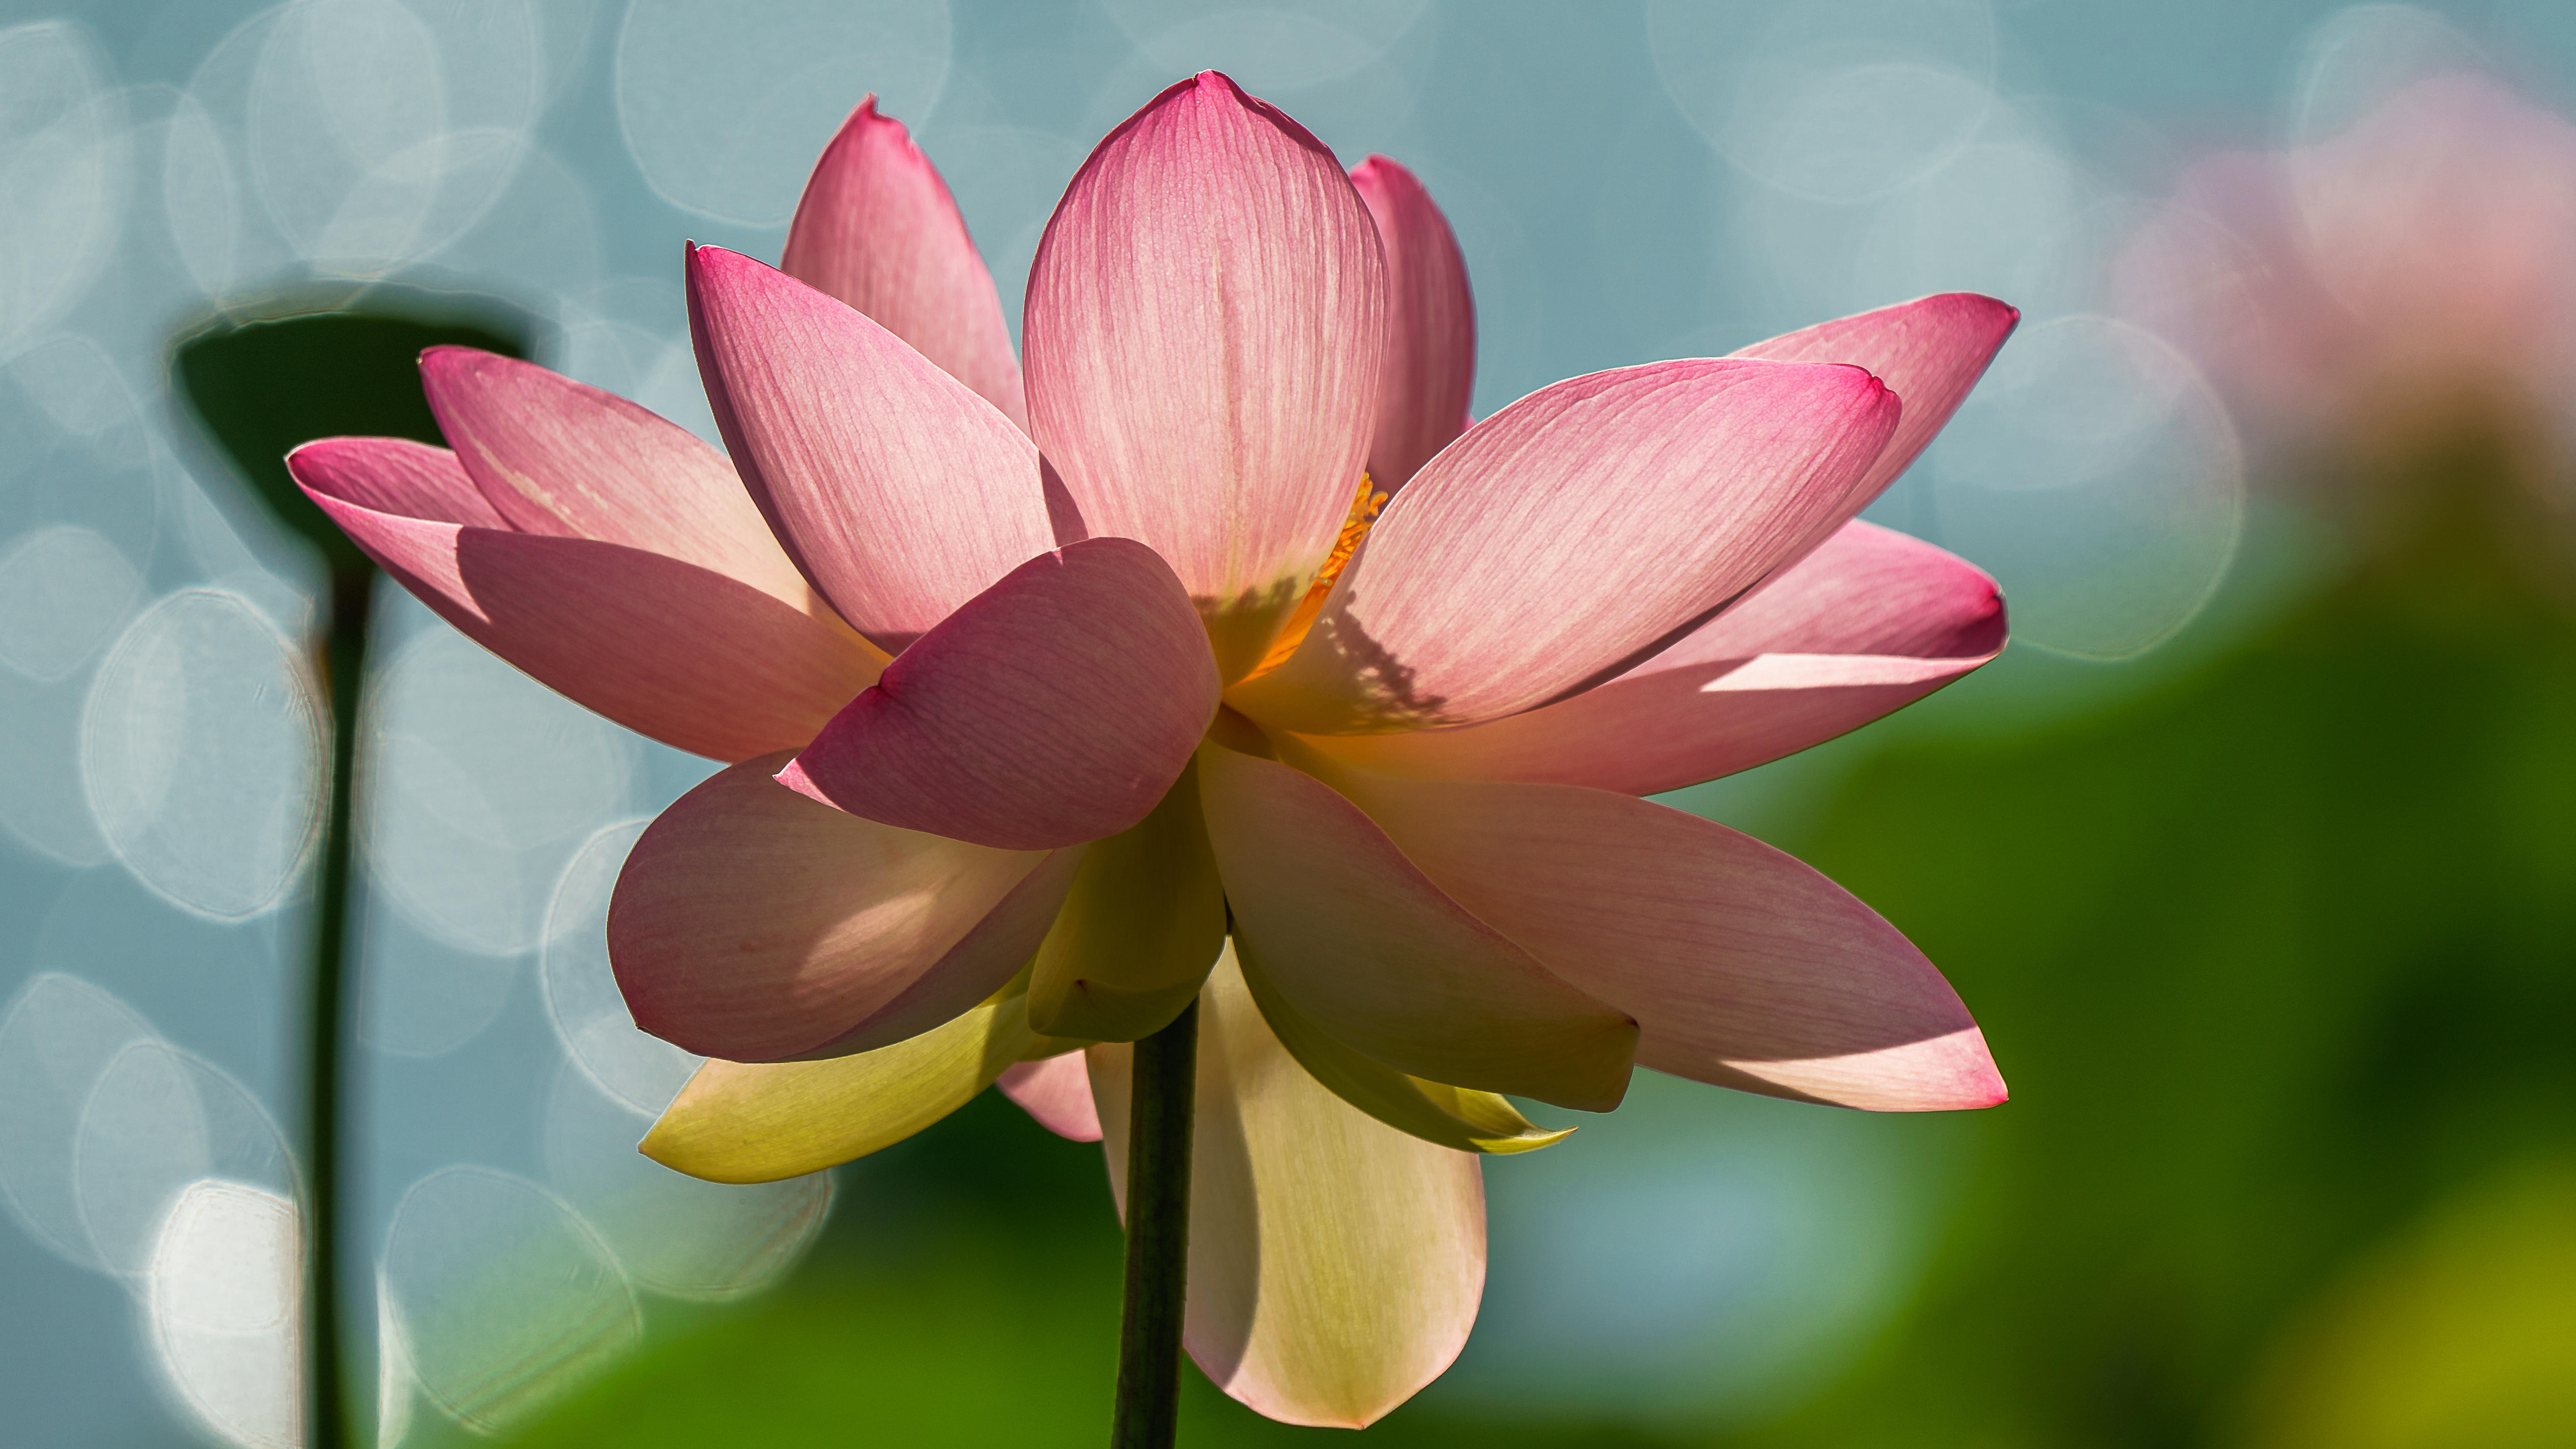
(344, 665)
(1162, 1101)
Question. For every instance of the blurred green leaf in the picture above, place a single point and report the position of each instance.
(2462, 1335)
(2271, 961)
(262, 387)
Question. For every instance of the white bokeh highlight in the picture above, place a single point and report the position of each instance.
(479, 784)
(598, 1034)
(725, 107)
(201, 750)
(225, 1305)
(1829, 99)
(64, 153)
(2098, 477)
(506, 1298)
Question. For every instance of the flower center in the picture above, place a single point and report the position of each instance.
(1355, 526)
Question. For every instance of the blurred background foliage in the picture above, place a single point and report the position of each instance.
(2253, 857)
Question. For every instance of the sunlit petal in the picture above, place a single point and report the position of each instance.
(878, 229)
(694, 658)
(1430, 370)
(763, 1122)
(1574, 532)
(753, 924)
(1743, 966)
(1203, 333)
(897, 490)
(1335, 1263)
(1054, 708)
(1929, 352)
(1865, 625)
(1056, 1091)
(1367, 948)
(557, 457)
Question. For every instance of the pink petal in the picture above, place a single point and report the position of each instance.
(1372, 952)
(878, 229)
(1865, 625)
(1743, 966)
(1335, 1263)
(557, 457)
(392, 475)
(1055, 707)
(1929, 352)
(752, 924)
(1204, 328)
(1430, 368)
(696, 659)
(900, 493)
(1572, 533)
(1057, 1092)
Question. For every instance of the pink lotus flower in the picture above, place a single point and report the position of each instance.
(2387, 283)
(1059, 700)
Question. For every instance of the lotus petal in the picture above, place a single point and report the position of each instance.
(1335, 1263)
(1056, 707)
(1203, 338)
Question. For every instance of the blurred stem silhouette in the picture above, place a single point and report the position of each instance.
(1161, 1108)
(259, 388)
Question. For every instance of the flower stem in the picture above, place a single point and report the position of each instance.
(1162, 1100)
(344, 664)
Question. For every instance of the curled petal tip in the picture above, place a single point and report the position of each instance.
(795, 778)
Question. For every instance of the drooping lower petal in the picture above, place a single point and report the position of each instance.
(898, 491)
(877, 228)
(764, 1121)
(1374, 953)
(558, 457)
(696, 659)
(1335, 1263)
(753, 924)
(1203, 337)
(1743, 966)
(1430, 371)
(1446, 1116)
(1056, 707)
(1145, 919)
(1929, 352)
(1574, 532)
(1865, 625)
(1056, 1091)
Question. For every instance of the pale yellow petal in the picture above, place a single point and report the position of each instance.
(763, 1121)
(1335, 1262)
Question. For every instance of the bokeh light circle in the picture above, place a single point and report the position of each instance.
(224, 1298)
(480, 783)
(200, 754)
(2098, 477)
(63, 155)
(2357, 58)
(673, 1234)
(158, 1120)
(726, 106)
(506, 1298)
(1829, 99)
(590, 1018)
(57, 1040)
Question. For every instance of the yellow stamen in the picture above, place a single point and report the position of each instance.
(1355, 526)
